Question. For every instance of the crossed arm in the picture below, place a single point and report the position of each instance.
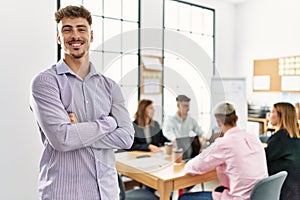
(63, 130)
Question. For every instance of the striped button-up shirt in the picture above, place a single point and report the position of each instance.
(78, 161)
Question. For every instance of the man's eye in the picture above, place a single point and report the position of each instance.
(66, 30)
(81, 30)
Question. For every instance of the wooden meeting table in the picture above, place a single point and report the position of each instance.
(158, 171)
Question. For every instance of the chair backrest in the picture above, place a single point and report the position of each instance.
(122, 188)
(134, 194)
(268, 188)
(190, 145)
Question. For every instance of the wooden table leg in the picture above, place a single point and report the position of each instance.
(165, 189)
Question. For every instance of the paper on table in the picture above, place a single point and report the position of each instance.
(148, 163)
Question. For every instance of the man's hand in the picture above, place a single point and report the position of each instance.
(73, 118)
(202, 140)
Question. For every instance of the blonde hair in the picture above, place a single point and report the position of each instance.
(287, 118)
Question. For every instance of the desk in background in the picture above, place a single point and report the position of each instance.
(158, 171)
(263, 123)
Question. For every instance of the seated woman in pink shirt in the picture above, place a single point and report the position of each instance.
(238, 157)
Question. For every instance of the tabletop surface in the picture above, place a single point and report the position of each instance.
(157, 164)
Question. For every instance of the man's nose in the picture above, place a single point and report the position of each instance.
(75, 35)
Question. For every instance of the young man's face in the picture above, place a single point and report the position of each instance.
(183, 108)
(75, 35)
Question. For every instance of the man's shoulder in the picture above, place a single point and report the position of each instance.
(172, 118)
(47, 75)
(108, 83)
(106, 78)
(51, 69)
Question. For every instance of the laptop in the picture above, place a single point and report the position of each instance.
(190, 145)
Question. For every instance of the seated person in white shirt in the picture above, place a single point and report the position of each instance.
(238, 157)
(181, 124)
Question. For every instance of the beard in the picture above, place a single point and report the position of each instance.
(77, 56)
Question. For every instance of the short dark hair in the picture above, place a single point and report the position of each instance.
(225, 112)
(73, 12)
(182, 97)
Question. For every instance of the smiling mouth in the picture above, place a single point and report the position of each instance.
(75, 44)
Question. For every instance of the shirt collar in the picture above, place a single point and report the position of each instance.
(178, 118)
(63, 68)
(232, 130)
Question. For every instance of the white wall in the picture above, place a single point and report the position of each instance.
(27, 47)
(266, 29)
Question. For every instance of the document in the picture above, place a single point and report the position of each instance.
(148, 163)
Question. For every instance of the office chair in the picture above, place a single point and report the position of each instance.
(264, 138)
(269, 188)
(134, 194)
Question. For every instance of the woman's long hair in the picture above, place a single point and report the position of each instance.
(287, 118)
(140, 115)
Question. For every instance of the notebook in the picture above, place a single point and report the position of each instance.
(190, 145)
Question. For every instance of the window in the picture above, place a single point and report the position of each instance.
(116, 51)
(194, 21)
(189, 71)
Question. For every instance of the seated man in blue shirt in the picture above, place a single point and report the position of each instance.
(181, 124)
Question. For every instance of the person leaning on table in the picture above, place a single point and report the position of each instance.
(283, 149)
(181, 124)
(238, 157)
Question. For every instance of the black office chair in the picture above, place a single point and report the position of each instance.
(269, 188)
(134, 194)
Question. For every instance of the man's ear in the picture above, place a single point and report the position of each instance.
(58, 38)
(219, 123)
(92, 36)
